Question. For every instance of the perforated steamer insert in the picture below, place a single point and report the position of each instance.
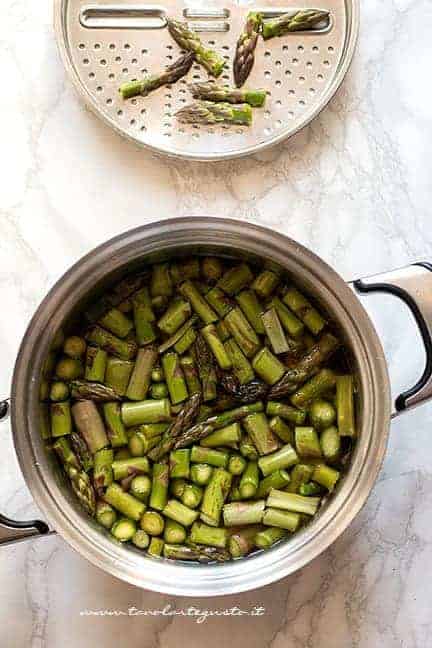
(103, 45)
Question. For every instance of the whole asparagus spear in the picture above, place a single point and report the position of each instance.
(171, 74)
(190, 41)
(245, 50)
(300, 21)
(307, 366)
(183, 421)
(213, 92)
(84, 390)
(205, 112)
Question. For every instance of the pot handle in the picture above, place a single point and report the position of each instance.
(12, 531)
(412, 284)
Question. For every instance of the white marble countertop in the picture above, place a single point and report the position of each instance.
(355, 187)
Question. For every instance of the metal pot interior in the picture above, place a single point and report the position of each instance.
(130, 253)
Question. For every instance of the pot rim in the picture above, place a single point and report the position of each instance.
(161, 575)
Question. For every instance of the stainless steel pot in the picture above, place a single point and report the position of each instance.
(160, 240)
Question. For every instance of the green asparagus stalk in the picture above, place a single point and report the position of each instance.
(307, 442)
(63, 448)
(209, 456)
(82, 451)
(123, 468)
(210, 335)
(177, 336)
(140, 487)
(287, 412)
(236, 464)
(286, 457)
(242, 368)
(300, 21)
(245, 50)
(74, 346)
(61, 422)
(68, 369)
(302, 307)
(281, 430)
(102, 471)
(290, 502)
(158, 390)
(140, 379)
(311, 489)
(242, 332)
(248, 302)
(212, 92)
(290, 322)
(267, 366)
(219, 301)
(180, 513)
(242, 541)
(83, 390)
(117, 375)
(330, 444)
(145, 331)
(114, 425)
(194, 552)
(174, 377)
(152, 523)
(307, 367)
(90, 425)
(191, 496)
(239, 513)
(156, 547)
(146, 411)
(203, 429)
(235, 279)
(141, 539)
(265, 283)
(159, 492)
(123, 502)
(189, 40)
(174, 533)
(322, 414)
(105, 514)
(190, 373)
(206, 112)
(268, 537)
(95, 364)
(197, 301)
(258, 429)
(274, 331)
(215, 495)
(207, 535)
(111, 344)
(116, 322)
(226, 436)
(325, 476)
(185, 342)
(170, 75)
(249, 480)
(300, 474)
(345, 405)
(200, 474)
(175, 316)
(320, 384)
(277, 479)
(179, 463)
(283, 519)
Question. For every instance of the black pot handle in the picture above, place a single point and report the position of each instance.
(412, 284)
(12, 531)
